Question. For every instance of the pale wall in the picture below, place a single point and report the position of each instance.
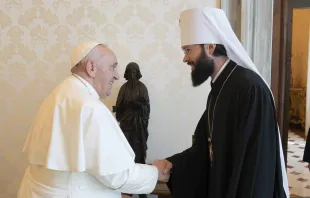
(299, 65)
(37, 38)
(300, 47)
(308, 89)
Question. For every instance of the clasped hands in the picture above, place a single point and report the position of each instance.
(164, 168)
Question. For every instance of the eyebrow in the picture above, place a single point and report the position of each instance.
(184, 47)
(114, 64)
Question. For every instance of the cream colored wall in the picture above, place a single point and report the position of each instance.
(308, 90)
(37, 38)
(300, 47)
(299, 65)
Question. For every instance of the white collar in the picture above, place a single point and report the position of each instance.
(89, 87)
(220, 71)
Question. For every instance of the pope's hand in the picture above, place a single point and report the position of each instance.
(164, 168)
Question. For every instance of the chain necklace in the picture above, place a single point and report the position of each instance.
(209, 123)
(82, 82)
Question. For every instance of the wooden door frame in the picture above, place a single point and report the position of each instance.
(281, 61)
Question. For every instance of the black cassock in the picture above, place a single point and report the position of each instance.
(306, 157)
(245, 143)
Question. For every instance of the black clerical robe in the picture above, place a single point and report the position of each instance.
(306, 157)
(245, 141)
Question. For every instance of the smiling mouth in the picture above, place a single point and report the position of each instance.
(192, 66)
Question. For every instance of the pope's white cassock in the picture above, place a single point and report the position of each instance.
(76, 149)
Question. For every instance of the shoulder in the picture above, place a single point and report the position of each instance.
(142, 85)
(69, 97)
(247, 79)
(123, 86)
(246, 83)
(95, 107)
(96, 114)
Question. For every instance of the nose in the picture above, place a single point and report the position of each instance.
(116, 75)
(185, 59)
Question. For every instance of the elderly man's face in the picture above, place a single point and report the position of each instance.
(106, 73)
(200, 61)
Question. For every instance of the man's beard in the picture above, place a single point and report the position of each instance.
(202, 69)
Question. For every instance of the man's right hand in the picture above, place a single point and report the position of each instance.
(164, 167)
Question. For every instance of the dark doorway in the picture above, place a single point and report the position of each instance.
(281, 61)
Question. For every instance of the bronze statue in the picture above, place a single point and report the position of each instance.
(133, 111)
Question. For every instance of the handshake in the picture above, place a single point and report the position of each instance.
(164, 169)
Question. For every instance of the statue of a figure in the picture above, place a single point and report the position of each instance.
(133, 111)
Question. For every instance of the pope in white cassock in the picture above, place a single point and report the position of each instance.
(75, 147)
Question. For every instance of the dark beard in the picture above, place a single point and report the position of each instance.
(203, 69)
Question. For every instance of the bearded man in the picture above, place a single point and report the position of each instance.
(237, 151)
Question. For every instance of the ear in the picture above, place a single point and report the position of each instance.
(91, 69)
(210, 48)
